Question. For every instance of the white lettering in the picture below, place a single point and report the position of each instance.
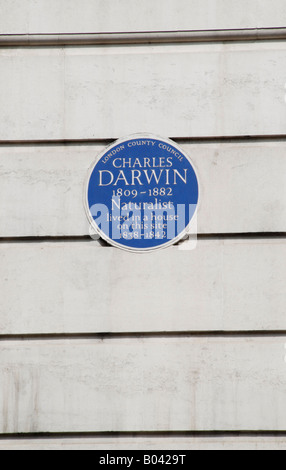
(136, 177)
(101, 177)
(184, 179)
(153, 174)
(121, 177)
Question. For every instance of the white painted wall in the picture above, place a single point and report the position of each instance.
(170, 90)
(84, 288)
(86, 16)
(178, 384)
(151, 443)
(242, 188)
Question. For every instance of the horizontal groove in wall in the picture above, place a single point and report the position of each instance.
(141, 335)
(63, 239)
(179, 140)
(93, 39)
(87, 238)
(146, 434)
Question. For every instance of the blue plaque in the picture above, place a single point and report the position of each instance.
(142, 193)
